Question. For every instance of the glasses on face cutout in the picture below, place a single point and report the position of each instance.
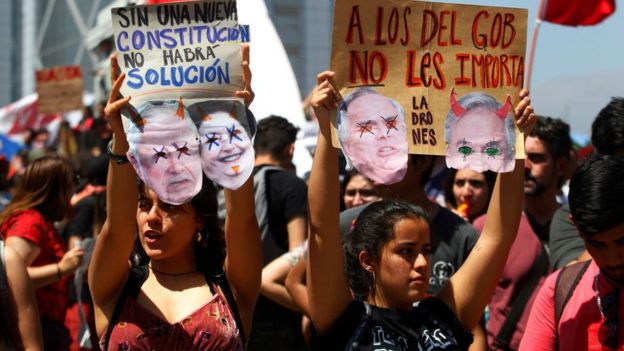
(607, 304)
(364, 193)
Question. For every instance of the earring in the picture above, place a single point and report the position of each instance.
(372, 283)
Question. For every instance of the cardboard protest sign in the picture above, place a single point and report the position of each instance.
(59, 89)
(187, 49)
(421, 56)
(177, 56)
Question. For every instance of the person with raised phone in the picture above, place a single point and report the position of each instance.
(181, 289)
(379, 280)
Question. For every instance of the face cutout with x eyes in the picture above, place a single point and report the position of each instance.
(372, 134)
(226, 150)
(165, 152)
(383, 124)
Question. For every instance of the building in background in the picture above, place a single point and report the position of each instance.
(45, 33)
(305, 28)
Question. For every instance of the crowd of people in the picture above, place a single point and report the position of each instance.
(443, 259)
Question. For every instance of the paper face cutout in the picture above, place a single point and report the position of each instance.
(372, 133)
(480, 134)
(227, 154)
(164, 151)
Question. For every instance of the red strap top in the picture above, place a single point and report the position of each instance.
(211, 327)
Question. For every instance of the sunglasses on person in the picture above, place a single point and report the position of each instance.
(607, 304)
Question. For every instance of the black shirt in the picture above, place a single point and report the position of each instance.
(288, 197)
(431, 325)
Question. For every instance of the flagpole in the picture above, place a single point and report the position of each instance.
(538, 22)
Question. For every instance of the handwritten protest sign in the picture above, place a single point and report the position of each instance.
(59, 89)
(187, 49)
(424, 56)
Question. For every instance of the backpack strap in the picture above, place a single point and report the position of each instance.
(539, 269)
(132, 287)
(224, 285)
(566, 283)
(271, 249)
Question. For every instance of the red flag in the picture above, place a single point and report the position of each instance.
(577, 12)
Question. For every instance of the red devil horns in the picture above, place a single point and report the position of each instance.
(458, 110)
(180, 110)
(504, 111)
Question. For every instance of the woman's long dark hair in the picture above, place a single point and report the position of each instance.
(45, 187)
(210, 250)
(373, 228)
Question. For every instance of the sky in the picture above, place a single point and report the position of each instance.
(576, 69)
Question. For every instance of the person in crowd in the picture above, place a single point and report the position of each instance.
(281, 210)
(547, 150)
(386, 260)
(357, 190)
(452, 237)
(19, 321)
(182, 288)
(42, 198)
(468, 193)
(566, 246)
(88, 216)
(579, 307)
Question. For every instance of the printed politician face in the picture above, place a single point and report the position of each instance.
(166, 153)
(372, 135)
(227, 154)
(482, 136)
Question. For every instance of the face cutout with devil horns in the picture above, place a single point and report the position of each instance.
(480, 134)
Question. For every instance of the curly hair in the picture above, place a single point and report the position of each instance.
(373, 228)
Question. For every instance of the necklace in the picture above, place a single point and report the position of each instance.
(171, 274)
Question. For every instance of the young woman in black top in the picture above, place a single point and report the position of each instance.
(387, 259)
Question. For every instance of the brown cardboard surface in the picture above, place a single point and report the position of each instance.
(416, 52)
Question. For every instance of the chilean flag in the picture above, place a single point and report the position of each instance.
(577, 12)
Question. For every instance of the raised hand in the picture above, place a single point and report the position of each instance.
(112, 111)
(325, 97)
(525, 116)
(71, 261)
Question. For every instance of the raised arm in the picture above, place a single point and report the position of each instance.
(22, 292)
(325, 262)
(296, 285)
(471, 288)
(109, 265)
(243, 261)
